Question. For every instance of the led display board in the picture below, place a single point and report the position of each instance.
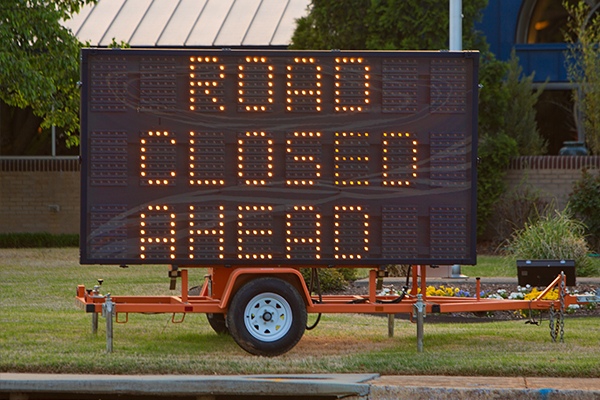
(205, 157)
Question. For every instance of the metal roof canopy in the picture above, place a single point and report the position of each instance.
(189, 23)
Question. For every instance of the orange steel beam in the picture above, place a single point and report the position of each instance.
(372, 285)
(474, 305)
(168, 308)
(361, 308)
(151, 307)
(415, 279)
(423, 268)
(184, 285)
(204, 290)
(331, 304)
(549, 287)
(268, 271)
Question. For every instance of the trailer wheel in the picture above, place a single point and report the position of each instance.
(217, 322)
(267, 317)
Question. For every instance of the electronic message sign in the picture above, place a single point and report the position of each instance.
(206, 157)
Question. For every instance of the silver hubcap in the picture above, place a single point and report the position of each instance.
(268, 317)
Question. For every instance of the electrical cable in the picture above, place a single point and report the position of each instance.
(532, 320)
(314, 276)
(396, 300)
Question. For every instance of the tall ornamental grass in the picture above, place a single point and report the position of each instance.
(554, 237)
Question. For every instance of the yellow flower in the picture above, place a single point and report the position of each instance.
(551, 295)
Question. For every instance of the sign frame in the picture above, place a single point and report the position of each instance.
(152, 114)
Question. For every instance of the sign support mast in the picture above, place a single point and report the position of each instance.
(456, 25)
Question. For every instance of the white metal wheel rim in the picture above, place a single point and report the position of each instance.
(257, 321)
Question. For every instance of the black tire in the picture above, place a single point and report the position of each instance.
(217, 322)
(267, 317)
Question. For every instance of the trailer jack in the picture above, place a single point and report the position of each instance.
(174, 273)
(108, 311)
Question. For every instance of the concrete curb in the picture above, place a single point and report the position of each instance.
(480, 388)
(355, 386)
(396, 393)
(186, 385)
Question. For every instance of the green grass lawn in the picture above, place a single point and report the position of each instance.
(492, 266)
(505, 266)
(41, 330)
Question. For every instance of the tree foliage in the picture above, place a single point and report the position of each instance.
(423, 25)
(333, 25)
(583, 67)
(493, 97)
(384, 25)
(507, 128)
(584, 201)
(519, 116)
(495, 152)
(39, 66)
(406, 25)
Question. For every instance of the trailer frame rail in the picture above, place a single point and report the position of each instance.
(416, 302)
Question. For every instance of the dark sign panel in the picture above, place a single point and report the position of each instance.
(278, 158)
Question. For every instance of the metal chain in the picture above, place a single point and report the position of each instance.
(557, 326)
(551, 319)
(562, 308)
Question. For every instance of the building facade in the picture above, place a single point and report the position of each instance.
(535, 29)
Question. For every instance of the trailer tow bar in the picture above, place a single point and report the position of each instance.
(589, 298)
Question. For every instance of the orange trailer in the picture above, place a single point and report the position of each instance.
(255, 164)
(272, 304)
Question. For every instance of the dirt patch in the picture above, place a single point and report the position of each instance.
(318, 346)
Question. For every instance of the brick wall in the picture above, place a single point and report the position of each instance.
(39, 195)
(552, 176)
(31, 188)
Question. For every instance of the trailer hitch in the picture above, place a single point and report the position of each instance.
(589, 298)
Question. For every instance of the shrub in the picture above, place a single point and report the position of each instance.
(397, 270)
(349, 274)
(516, 208)
(43, 239)
(584, 201)
(556, 237)
(582, 61)
(495, 153)
(330, 279)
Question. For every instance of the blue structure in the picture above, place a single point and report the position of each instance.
(533, 29)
